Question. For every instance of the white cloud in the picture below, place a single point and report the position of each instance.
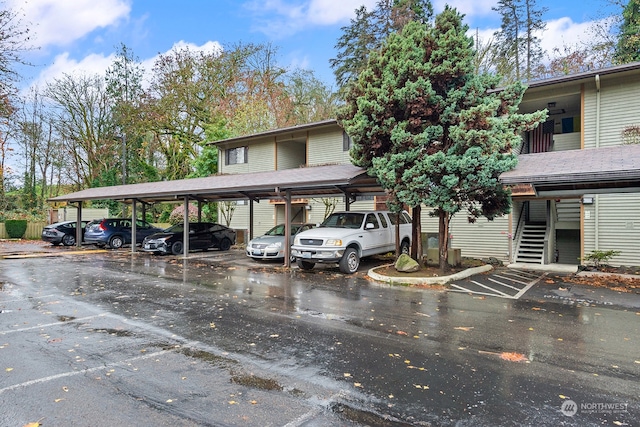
(99, 63)
(63, 64)
(61, 22)
(281, 18)
(470, 8)
(565, 32)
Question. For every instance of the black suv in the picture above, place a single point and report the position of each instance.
(116, 232)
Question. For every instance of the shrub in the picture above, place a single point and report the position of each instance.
(15, 227)
(598, 258)
(177, 215)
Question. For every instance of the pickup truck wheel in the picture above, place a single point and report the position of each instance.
(305, 265)
(350, 261)
(404, 247)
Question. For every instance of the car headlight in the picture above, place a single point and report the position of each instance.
(333, 242)
(296, 241)
(275, 245)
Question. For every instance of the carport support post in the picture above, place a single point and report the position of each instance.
(134, 228)
(185, 232)
(79, 226)
(287, 230)
(250, 219)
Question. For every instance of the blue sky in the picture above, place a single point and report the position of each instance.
(82, 35)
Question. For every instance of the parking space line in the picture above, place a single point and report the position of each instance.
(83, 371)
(461, 288)
(492, 289)
(46, 325)
(53, 254)
(467, 291)
(524, 274)
(504, 284)
(526, 288)
(513, 280)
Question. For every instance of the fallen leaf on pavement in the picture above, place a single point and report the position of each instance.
(401, 333)
(513, 357)
(464, 328)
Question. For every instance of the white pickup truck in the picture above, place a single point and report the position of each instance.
(345, 237)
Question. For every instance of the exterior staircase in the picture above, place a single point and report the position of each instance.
(531, 244)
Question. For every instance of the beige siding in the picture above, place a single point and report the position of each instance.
(260, 158)
(566, 141)
(483, 239)
(538, 211)
(618, 226)
(291, 154)
(325, 147)
(613, 117)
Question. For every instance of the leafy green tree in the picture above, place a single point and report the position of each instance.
(82, 119)
(432, 131)
(628, 45)
(368, 30)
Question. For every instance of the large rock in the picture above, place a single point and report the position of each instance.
(406, 264)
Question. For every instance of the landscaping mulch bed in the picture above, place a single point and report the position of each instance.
(429, 271)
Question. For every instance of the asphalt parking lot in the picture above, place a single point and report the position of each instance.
(106, 337)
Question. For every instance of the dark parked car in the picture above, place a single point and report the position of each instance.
(271, 244)
(62, 232)
(116, 232)
(202, 235)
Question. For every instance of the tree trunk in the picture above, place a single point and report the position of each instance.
(443, 243)
(416, 234)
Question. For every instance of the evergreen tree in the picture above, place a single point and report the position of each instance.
(518, 51)
(432, 131)
(368, 30)
(628, 45)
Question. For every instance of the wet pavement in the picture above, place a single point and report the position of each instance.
(90, 338)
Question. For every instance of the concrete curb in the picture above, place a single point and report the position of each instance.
(440, 280)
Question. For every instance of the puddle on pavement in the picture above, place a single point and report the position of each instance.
(366, 417)
(206, 356)
(115, 332)
(256, 382)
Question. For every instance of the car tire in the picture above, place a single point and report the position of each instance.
(116, 242)
(404, 247)
(68, 240)
(350, 261)
(225, 244)
(305, 265)
(177, 248)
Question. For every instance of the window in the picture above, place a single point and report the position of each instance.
(347, 143)
(371, 219)
(237, 155)
(383, 220)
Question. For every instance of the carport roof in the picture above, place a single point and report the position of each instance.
(302, 182)
(552, 174)
(572, 172)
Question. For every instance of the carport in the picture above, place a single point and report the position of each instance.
(318, 181)
(540, 175)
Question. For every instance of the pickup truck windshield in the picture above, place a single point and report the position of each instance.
(344, 220)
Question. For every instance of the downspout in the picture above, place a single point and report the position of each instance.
(597, 111)
(596, 219)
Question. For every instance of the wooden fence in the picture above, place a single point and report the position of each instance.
(34, 230)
